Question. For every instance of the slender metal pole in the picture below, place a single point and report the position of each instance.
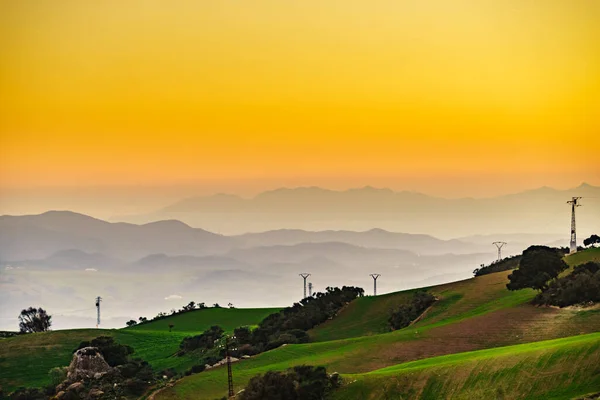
(229, 373)
(98, 300)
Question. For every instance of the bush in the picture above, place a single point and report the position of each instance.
(204, 341)
(299, 383)
(290, 324)
(58, 375)
(114, 353)
(506, 264)
(582, 286)
(407, 313)
(195, 369)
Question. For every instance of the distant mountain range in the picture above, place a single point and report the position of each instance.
(316, 209)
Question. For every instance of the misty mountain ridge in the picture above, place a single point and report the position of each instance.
(316, 209)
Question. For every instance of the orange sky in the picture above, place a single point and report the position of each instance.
(390, 93)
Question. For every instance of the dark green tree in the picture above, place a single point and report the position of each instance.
(538, 265)
(34, 320)
(591, 240)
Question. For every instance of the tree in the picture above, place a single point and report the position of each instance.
(216, 305)
(190, 306)
(34, 320)
(230, 305)
(538, 265)
(591, 240)
(142, 319)
(131, 322)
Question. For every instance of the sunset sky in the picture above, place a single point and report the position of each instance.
(450, 98)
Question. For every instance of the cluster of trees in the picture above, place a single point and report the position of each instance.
(298, 383)
(506, 264)
(582, 286)
(539, 264)
(205, 341)
(539, 269)
(191, 306)
(290, 324)
(34, 320)
(407, 313)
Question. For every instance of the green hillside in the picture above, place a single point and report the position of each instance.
(473, 314)
(200, 320)
(471, 343)
(562, 369)
(25, 360)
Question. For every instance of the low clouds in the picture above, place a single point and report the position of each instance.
(91, 270)
(173, 297)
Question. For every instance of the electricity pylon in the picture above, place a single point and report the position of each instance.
(499, 245)
(375, 276)
(573, 244)
(98, 300)
(304, 275)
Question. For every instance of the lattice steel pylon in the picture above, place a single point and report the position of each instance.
(304, 275)
(375, 276)
(499, 245)
(573, 243)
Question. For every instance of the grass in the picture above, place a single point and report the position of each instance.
(201, 320)
(554, 369)
(456, 349)
(25, 360)
(591, 254)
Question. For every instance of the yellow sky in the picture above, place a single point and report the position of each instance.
(163, 92)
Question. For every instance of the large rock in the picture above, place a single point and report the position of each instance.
(87, 363)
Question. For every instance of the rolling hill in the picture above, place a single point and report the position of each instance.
(151, 341)
(477, 340)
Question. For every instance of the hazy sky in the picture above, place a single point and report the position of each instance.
(446, 97)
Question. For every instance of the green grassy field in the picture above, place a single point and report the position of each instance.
(476, 341)
(472, 314)
(25, 360)
(200, 320)
(554, 369)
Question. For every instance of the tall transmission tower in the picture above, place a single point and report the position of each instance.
(499, 245)
(98, 300)
(375, 276)
(229, 373)
(310, 289)
(304, 275)
(573, 244)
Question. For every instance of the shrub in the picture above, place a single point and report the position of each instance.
(407, 313)
(114, 353)
(204, 341)
(299, 383)
(582, 286)
(58, 375)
